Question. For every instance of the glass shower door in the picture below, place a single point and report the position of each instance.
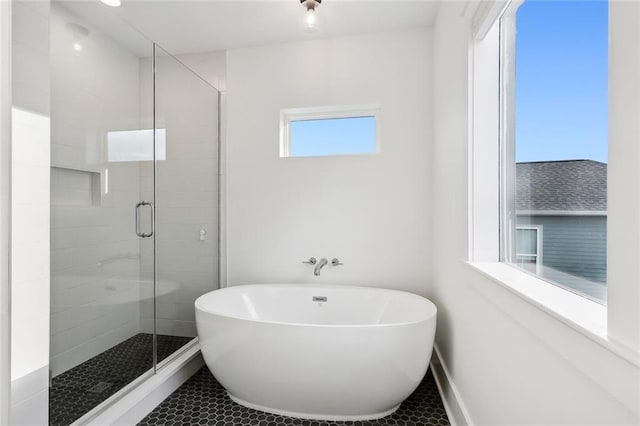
(186, 195)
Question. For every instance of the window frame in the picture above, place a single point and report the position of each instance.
(506, 27)
(538, 255)
(289, 115)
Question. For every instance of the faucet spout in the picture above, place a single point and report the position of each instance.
(319, 265)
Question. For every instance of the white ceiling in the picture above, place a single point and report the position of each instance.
(203, 26)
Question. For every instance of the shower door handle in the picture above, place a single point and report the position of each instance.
(151, 210)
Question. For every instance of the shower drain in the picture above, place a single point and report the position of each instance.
(100, 387)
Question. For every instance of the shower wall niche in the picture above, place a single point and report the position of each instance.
(129, 124)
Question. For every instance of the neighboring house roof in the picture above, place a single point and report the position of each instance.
(571, 185)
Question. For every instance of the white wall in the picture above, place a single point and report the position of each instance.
(95, 254)
(369, 211)
(5, 211)
(211, 66)
(510, 362)
(30, 213)
(623, 298)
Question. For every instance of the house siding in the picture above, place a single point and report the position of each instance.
(576, 245)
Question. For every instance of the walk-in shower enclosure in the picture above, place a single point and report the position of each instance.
(134, 205)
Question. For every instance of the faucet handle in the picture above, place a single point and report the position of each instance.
(311, 261)
(335, 262)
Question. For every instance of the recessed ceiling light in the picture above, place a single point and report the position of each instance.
(112, 3)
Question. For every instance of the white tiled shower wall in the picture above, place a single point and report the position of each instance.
(212, 66)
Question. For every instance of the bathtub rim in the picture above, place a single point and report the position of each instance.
(430, 317)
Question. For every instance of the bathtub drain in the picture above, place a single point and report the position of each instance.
(100, 387)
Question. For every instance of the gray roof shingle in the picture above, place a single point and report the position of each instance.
(571, 185)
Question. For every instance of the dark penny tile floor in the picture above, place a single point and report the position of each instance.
(76, 391)
(201, 400)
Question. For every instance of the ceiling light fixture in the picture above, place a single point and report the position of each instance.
(311, 5)
(112, 3)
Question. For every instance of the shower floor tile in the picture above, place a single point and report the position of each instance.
(201, 400)
(76, 391)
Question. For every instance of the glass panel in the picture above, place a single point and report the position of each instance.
(100, 92)
(186, 199)
(526, 242)
(334, 136)
(133, 145)
(561, 139)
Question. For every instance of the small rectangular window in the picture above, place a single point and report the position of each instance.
(315, 132)
(136, 145)
(529, 248)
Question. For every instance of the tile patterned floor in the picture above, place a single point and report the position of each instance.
(76, 391)
(203, 401)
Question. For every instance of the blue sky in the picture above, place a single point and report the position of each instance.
(338, 136)
(561, 80)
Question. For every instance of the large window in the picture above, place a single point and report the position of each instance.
(555, 126)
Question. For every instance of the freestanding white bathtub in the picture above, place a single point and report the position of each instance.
(316, 352)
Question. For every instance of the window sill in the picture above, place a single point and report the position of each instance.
(583, 315)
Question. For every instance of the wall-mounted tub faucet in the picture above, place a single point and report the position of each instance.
(319, 265)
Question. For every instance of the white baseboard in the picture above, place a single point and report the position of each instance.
(135, 406)
(30, 398)
(455, 408)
